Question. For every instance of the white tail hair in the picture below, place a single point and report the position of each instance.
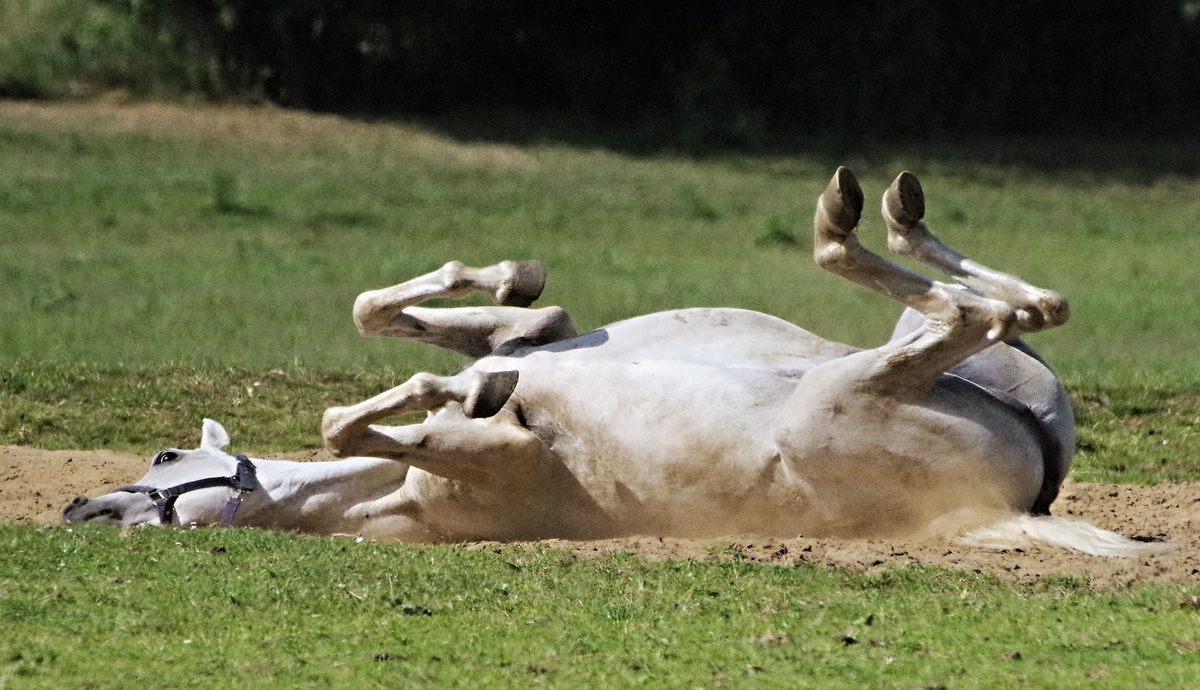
(1020, 531)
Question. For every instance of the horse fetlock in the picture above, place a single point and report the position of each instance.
(910, 241)
(834, 256)
(424, 387)
(337, 430)
(1030, 320)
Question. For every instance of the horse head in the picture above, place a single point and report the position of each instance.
(201, 486)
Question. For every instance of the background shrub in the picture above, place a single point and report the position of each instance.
(697, 74)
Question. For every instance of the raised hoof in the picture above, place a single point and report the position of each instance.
(842, 201)
(904, 201)
(524, 286)
(495, 390)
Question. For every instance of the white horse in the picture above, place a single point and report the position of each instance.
(691, 423)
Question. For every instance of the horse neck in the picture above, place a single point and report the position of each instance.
(317, 496)
(288, 475)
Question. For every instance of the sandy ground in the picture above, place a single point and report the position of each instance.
(35, 484)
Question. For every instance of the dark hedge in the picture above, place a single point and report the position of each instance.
(706, 72)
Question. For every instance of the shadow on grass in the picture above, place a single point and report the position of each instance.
(1134, 161)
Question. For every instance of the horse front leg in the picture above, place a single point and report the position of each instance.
(478, 394)
(473, 331)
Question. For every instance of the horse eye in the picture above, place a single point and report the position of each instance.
(165, 456)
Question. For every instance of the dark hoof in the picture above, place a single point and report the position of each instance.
(525, 286)
(496, 389)
(843, 200)
(904, 200)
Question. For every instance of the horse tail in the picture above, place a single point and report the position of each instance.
(1023, 530)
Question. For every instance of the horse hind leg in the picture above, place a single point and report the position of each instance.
(958, 323)
(881, 432)
(836, 249)
(473, 331)
(909, 236)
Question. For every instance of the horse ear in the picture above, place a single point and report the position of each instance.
(214, 435)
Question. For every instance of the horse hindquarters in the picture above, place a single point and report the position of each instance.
(884, 437)
(877, 465)
(1013, 372)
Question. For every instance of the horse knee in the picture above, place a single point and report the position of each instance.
(368, 318)
(334, 431)
(344, 431)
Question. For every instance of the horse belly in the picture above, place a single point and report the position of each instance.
(661, 447)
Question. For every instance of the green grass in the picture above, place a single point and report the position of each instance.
(159, 266)
(69, 48)
(212, 608)
(143, 249)
(67, 406)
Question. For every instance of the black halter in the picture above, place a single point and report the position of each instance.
(243, 480)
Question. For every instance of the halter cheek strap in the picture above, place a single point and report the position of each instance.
(244, 479)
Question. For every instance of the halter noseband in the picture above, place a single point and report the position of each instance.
(243, 480)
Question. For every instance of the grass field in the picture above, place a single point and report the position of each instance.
(211, 608)
(160, 264)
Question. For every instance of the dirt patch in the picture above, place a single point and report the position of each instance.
(35, 484)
